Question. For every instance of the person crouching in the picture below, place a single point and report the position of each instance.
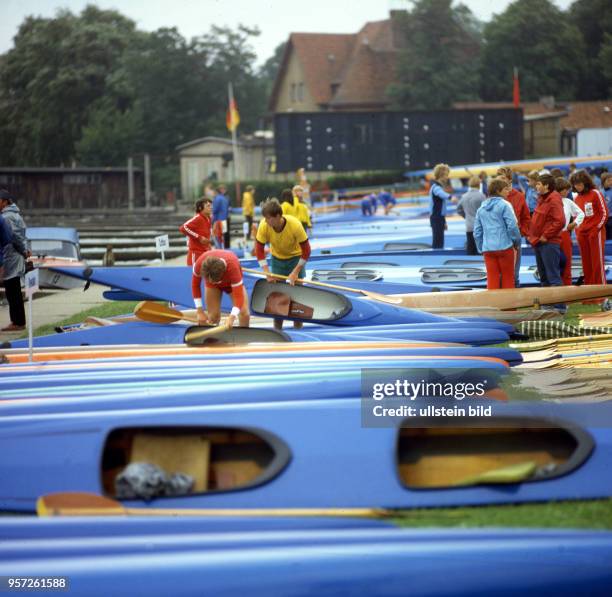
(497, 235)
(221, 273)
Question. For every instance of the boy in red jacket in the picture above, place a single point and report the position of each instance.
(197, 230)
(547, 222)
(591, 234)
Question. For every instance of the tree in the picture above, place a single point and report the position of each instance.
(50, 79)
(539, 39)
(270, 67)
(439, 63)
(605, 58)
(230, 59)
(593, 19)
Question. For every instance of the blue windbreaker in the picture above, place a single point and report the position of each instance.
(495, 227)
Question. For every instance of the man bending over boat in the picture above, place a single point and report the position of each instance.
(221, 273)
(289, 247)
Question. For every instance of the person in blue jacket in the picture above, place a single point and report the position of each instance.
(497, 235)
(220, 213)
(6, 238)
(438, 199)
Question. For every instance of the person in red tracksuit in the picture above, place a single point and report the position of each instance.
(197, 230)
(547, 222)
(523, 218)
(221, 272)
(574, 216)
(591, 234)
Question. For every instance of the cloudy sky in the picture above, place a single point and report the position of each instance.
(274, 18)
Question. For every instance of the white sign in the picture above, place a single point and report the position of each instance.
(31, 282)
(162, 243)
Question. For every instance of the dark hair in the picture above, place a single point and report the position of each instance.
(271, 208)
(583, 177)
(286, 196)
(497, 185)
(200, 203)
(557, 172)
(561, 184)
(4, 194)
(212, 269)
(548, 180)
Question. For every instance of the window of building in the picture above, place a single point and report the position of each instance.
(300, 92)
(293, 92)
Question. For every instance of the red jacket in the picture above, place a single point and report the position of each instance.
(547, 219)
(195, 229)
(595, 211)
(521, 211)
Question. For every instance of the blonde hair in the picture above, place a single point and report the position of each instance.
(504, 171)
(533, 175)
(440, 170)
(474, 182)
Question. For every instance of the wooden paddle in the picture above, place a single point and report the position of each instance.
(91, 504)
(213, 331)
(158, 313)
(383, 298)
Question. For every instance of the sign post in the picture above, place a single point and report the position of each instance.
(162, 243)
(31, 286)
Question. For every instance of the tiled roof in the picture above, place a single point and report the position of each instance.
(588, 115)
(344, 69)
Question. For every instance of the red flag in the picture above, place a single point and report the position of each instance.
(232, 118)
(516, 90)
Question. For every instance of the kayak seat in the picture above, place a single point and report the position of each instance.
(279, 303)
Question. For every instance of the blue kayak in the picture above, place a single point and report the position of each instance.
(173, 284)
(144, 333)
(314, 453)
(335, 382)
(343, 561)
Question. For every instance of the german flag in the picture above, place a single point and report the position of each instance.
(232, 118)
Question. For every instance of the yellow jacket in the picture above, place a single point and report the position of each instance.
(248, 204)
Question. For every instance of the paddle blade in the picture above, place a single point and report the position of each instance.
(77, 504)
(190, 336)
(158, 313)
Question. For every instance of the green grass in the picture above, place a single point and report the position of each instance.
(592, 514)
(576, 309)
(107, 309)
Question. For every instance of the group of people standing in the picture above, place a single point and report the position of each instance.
(553, 208)
(284, 226)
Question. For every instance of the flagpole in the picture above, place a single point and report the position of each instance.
(234, 142)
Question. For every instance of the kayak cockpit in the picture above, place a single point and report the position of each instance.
(444, 456)
(218, 459)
